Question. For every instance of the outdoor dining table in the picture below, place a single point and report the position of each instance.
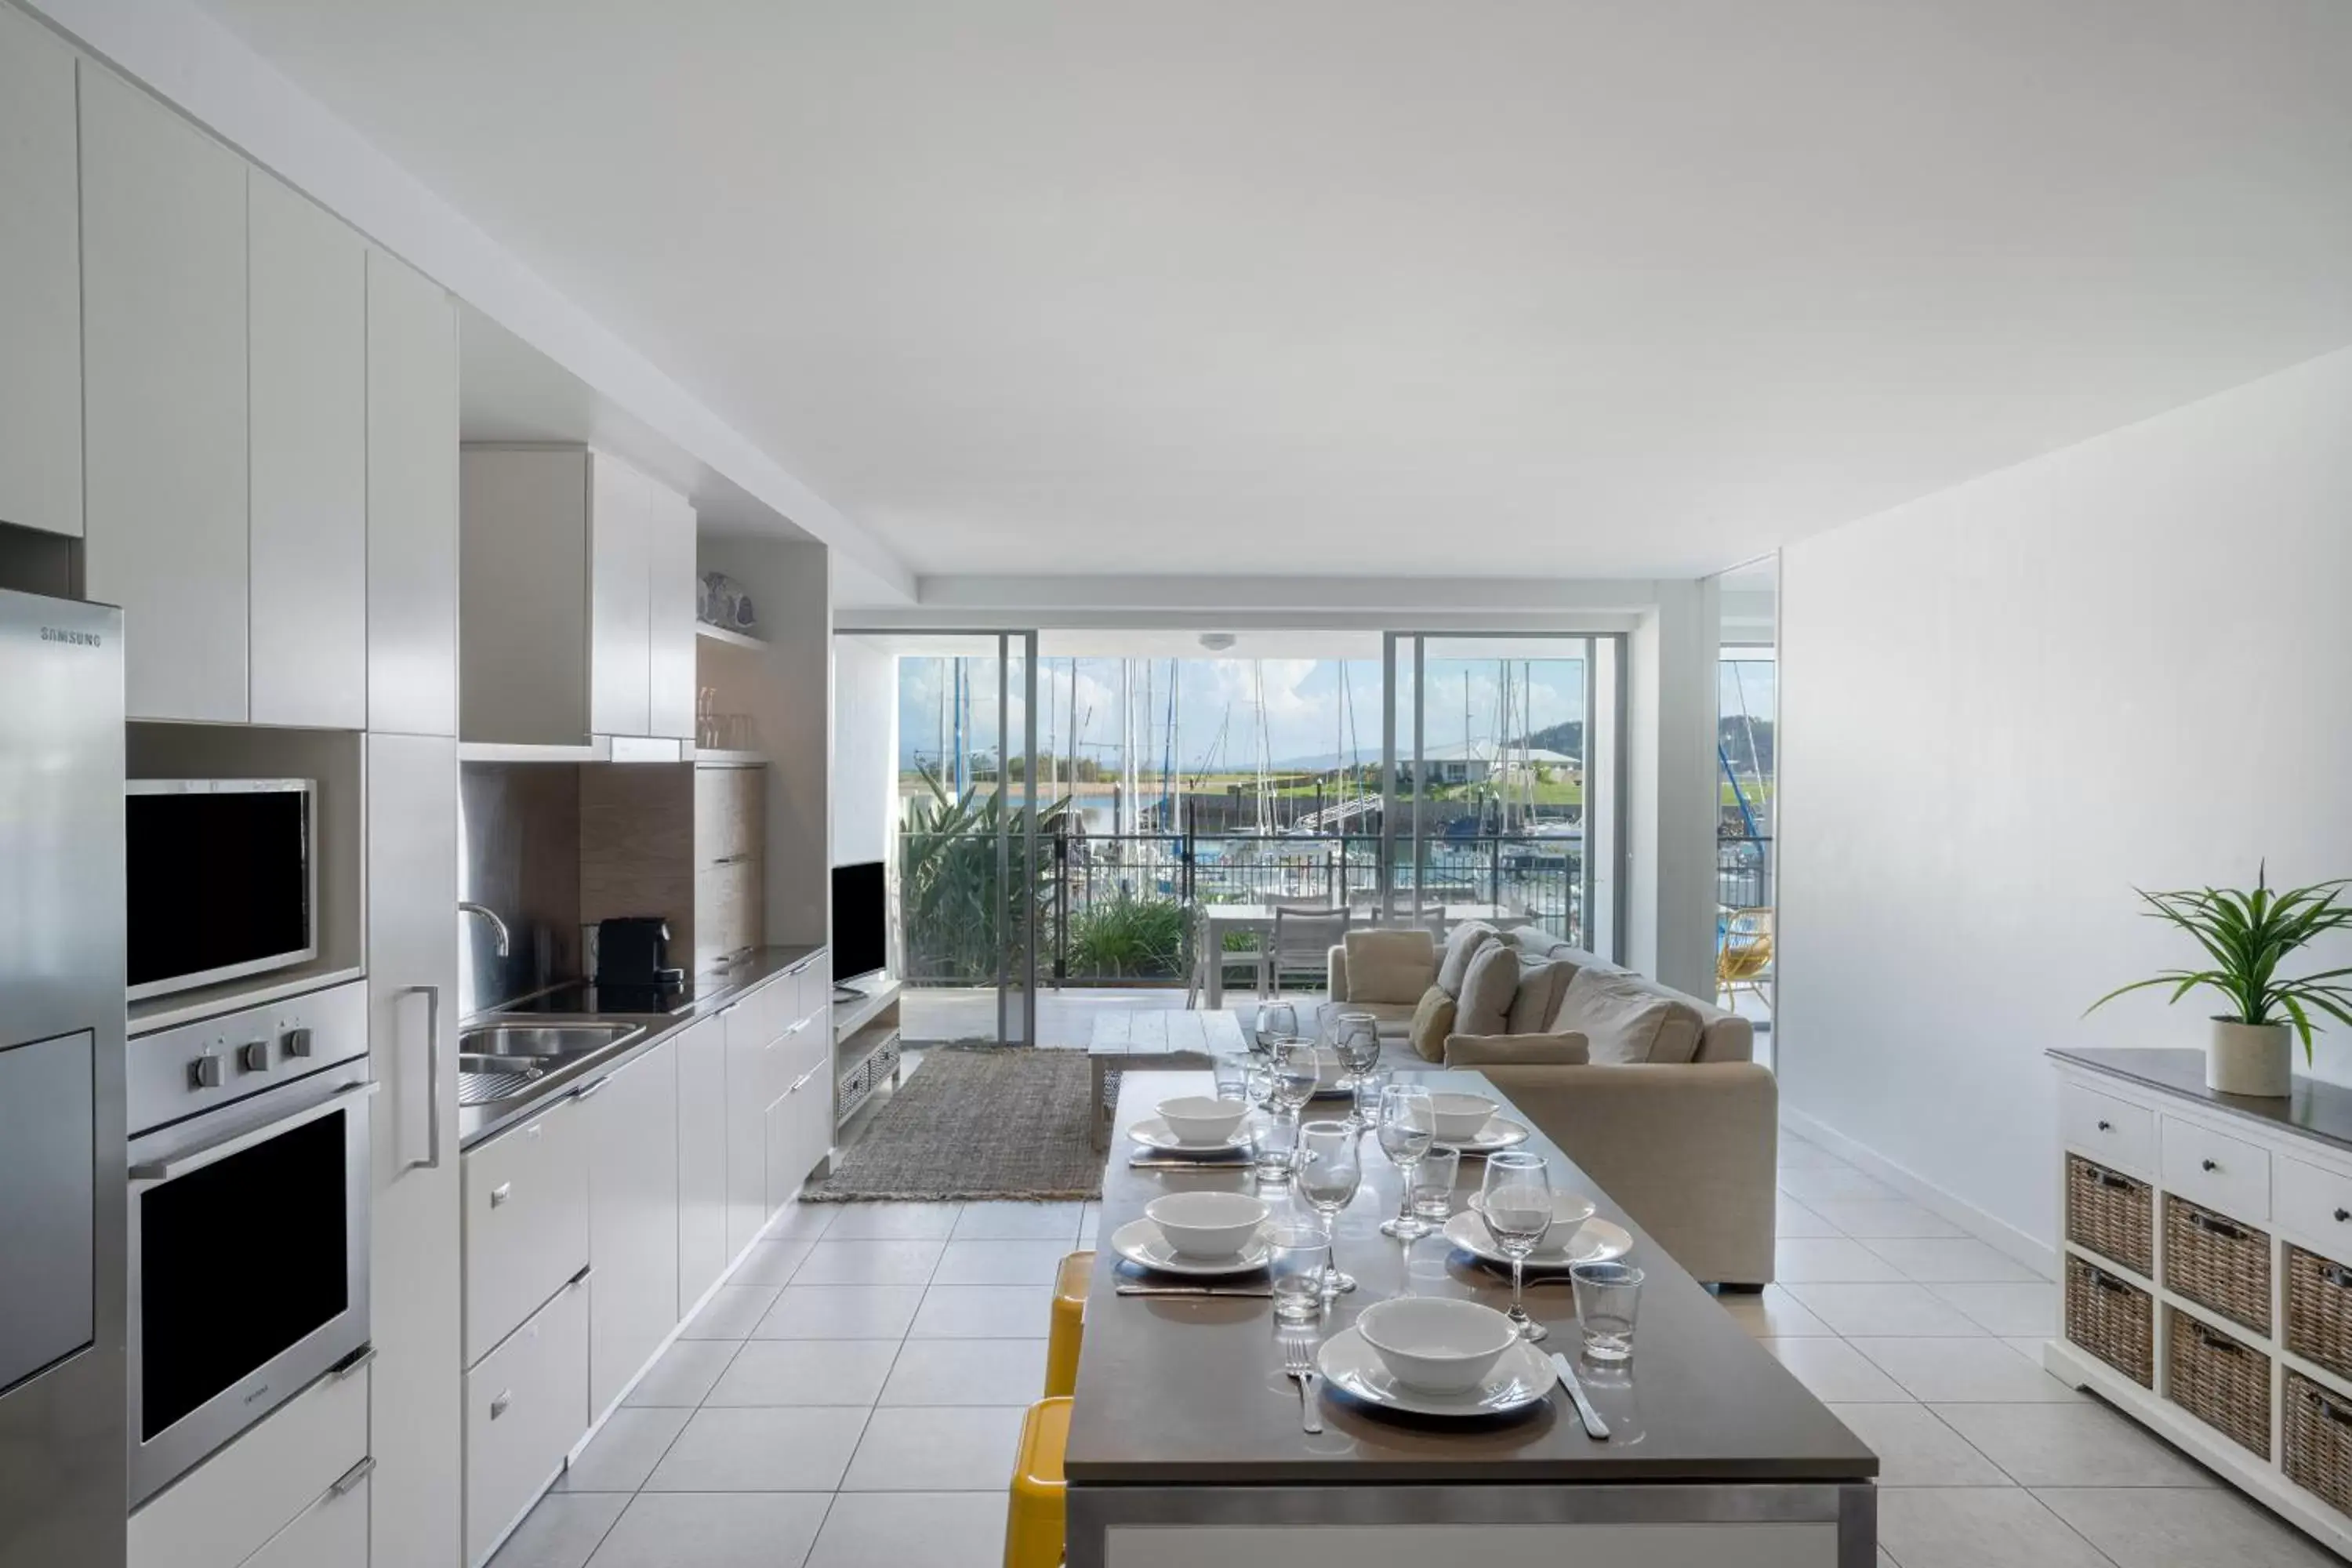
(1186, 1447)
(1258, 918)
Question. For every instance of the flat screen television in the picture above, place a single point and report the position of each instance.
(861, 921)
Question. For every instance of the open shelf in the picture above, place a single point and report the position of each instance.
(709, 633)
(712, 757)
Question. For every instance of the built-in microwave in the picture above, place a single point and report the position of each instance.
(223, 880)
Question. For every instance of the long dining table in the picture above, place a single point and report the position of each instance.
(1186, 1449)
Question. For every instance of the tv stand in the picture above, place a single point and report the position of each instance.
(864, 1043)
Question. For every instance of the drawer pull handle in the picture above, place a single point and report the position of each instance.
(2219, 1228)
(2113, 1183)
(500, 1194)
(352, 1477)
(2343, 1214)
(499, 1406)
(2209, 1164)
(2335, 1274)
(2107, 1281)
(2222, 1342)
(2330, 1409)
(2107, 1126)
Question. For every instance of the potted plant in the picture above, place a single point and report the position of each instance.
(2247, 936)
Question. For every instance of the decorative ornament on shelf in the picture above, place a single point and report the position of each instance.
(721, 602)
(2246, 936)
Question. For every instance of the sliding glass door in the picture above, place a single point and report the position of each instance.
(1500, 794)
(966, 880)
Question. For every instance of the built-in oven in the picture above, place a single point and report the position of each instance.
(248, 1221)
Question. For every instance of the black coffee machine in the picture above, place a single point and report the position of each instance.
(633, 954)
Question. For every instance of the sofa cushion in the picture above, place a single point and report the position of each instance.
(1395, 1018)
(1432, 1022)
(1542, 982)
(1627, 1020)
(1533, 940)
(1460, 949)
(1568, 1049)
(1393, 967)
(1488, 989)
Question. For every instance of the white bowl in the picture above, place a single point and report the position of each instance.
(1439, 1344)
(1207, 1225)
(1460, 1116)
(1198, 1118)
(1569, 1212)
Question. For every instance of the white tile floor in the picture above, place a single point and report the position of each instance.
(853, 1400)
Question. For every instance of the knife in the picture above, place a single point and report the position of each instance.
(1594, 1428)
(1147, 1163)
(1260, 1291)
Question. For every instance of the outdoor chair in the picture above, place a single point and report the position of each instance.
(1302, 944)
(1744, 959)
(1206, 951)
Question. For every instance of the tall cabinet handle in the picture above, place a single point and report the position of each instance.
(432, 1161)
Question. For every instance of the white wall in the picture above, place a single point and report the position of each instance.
(864, 750)
(1670, 792)
(2005, 706)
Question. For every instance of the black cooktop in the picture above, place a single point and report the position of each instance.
(585, 997)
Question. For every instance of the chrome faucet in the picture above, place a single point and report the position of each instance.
(467, 907)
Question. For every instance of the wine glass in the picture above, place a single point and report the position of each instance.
(1356, 1037)
(1327, 1172)
(1407, 1127)
(1516, 1205)
(1275, 1021)
(1297, 1072)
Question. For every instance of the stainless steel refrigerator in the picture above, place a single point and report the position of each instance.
(63, 1445)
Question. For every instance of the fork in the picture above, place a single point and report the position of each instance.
(1299, 1365)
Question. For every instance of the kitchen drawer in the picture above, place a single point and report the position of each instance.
(794, 1053)
(226, 1508)
(526, 1406)
(2314, 1204)
(332, 1534)
(526, 1222)
(2115, 1132)
(2220, 1172)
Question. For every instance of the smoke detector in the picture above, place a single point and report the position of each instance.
(1216, 641)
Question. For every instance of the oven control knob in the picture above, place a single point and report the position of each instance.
(253, 1055)
(205, 1073)
(297, 1042)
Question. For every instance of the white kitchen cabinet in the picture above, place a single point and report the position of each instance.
(749, 1095)
(526, 1406)
(558, 602)
(333, 1533)
(630, 1119)
(526, 1207)
(306, 313)
(702, 1253)
(412, 501)
(40, 257)
(164, 396)
(620, 599)
(671, 575)
(415, 1280)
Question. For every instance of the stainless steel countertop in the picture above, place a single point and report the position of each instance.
(714, 990)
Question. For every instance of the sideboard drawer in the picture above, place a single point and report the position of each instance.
(2221, 1174)
(2316, 1205)
(2114, 1131)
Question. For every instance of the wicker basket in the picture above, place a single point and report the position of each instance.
(2112, 1319)
(2223, 1382)
(2218, 1263)
(2319, 1309)
(2318, 1440)
(2112, 1215)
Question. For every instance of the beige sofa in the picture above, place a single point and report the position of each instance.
(1688, 1146)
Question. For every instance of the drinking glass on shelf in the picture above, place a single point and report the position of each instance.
(1298, 1251)
(1407, 1125)
(1327, 1172)
(1432, 1185)
(1517, 1204)
(1275, 1021)
(1608, 1300)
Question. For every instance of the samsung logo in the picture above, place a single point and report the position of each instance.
(60, 633)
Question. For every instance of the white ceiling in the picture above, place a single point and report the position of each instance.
(1360, 286)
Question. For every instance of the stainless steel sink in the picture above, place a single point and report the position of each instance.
(540, 1040)
(504, 1060)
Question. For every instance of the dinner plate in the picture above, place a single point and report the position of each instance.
(1153, 1132)
(1521, 1378)
(1500, 1132)
(1140, 1242)
(1596, 1242)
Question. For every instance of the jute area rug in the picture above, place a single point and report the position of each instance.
(984, 1123)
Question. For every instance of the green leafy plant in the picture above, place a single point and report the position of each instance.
(1124, 937)
(956, 910)
(2247, 935)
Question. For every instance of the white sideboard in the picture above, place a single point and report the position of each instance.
(2208, 1271)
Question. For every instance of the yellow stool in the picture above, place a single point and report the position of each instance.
(1069, 1323)
(1035, 1522)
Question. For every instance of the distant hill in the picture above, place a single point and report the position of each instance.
(1568, 737)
